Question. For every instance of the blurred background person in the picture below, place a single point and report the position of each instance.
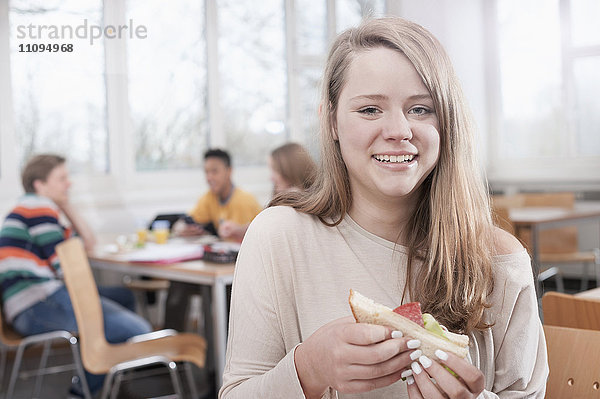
(225, 209)
(34, 297)
(292, 168)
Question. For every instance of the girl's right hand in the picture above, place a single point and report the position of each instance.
(351, 357)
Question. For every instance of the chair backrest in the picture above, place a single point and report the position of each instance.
(573, 359)
(571, 311)
(560, 200)
(553, 241)
(84, 297)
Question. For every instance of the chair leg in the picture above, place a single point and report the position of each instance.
(190, 377)
(43, 362)
(161, 303)
(560, 285)
(107, 384)
(175, 379)
(15, 371)
(116, 386)
(79, 368)
(142, 304)
(597, 266)
(585, 277)
(3, 352)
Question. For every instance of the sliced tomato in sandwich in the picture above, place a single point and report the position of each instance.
(411, 311)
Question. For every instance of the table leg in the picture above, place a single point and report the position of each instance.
(219, 299)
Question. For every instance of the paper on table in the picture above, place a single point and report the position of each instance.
(166, 253)
(226, 246)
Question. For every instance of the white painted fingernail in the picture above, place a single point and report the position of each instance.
(416, 368)
(425, 361)
(410, 380)
(397, 334)
(406, 373)
(415, 355)
(441, 354)
(413, 344)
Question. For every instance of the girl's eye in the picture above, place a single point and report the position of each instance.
(419, 111)
(369, 111)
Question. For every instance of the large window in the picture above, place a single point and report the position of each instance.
(167, 84)
(204, 73)
(549, 55)
(252, 76)
(59, 98)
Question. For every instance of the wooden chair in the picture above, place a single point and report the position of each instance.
(101, 357)
(573, 359)
(571, 311)
(11, 340)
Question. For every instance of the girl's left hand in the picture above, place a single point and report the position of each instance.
(468, 385)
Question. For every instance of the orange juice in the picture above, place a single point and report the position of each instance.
(161, 236)
(142, 236)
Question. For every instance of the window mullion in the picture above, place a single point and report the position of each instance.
(216, 134)
(9, 170)
(493, 90)
(294, 129)
(568, 79)
(121, 147)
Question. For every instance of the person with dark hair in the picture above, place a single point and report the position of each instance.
(34, 297)
(225, 208)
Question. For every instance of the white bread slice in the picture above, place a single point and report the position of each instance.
(366, 310)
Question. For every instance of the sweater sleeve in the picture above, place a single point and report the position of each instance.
(520, 368)
(258, 364)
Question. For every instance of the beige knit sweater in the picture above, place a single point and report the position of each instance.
(293, 276)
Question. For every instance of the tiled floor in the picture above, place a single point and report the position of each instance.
(153, 384)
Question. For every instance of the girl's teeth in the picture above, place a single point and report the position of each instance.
(394, 158)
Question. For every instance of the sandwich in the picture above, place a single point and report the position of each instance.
(411, 322)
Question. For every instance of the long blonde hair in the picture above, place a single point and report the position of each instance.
(450, 233)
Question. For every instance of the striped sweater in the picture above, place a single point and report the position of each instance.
(29, 266)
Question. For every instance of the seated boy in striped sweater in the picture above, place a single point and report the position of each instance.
(34, 297)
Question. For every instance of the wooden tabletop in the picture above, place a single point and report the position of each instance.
(536, 215)
(191, 266)
(105, 253)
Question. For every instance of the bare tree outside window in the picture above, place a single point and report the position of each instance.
(59, 97)
(167, 84)
(310, 87)
(252, 77)
(311, 27)
(351, 12)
